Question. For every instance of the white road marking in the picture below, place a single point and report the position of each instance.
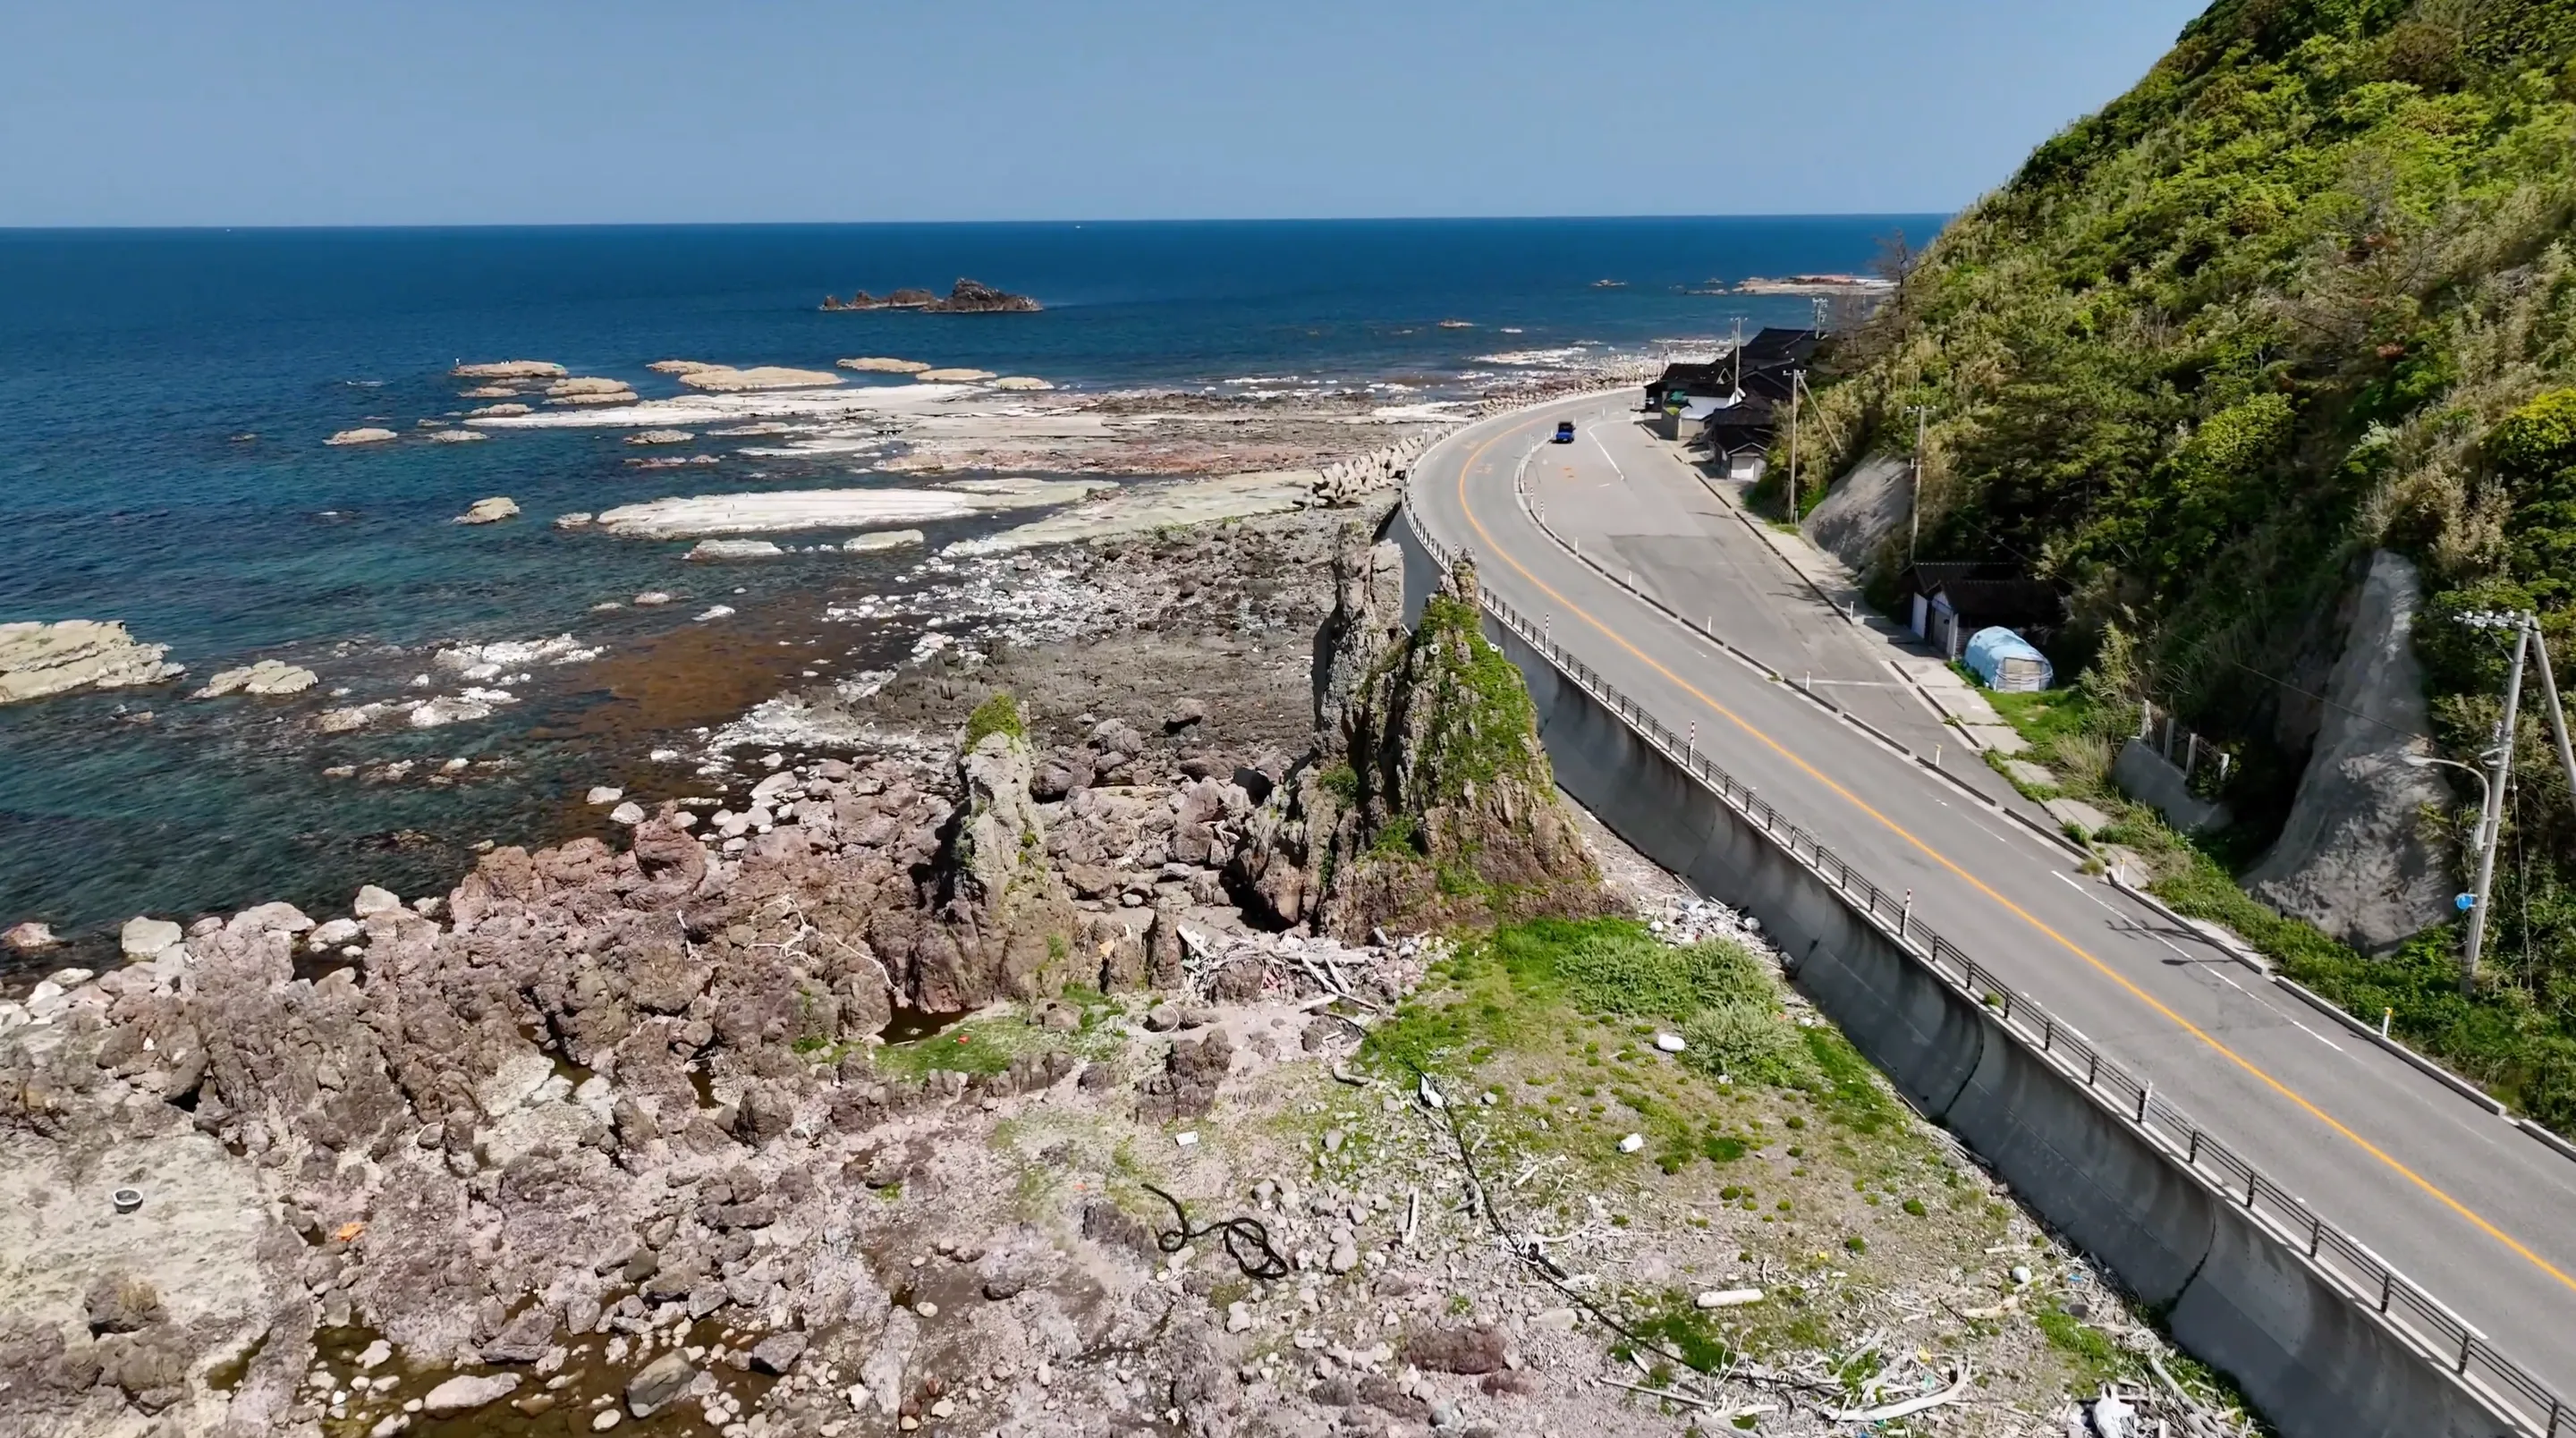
(1605, 454)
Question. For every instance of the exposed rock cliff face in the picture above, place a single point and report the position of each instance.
(2353, 858)
(1428, 800)
(1868, 505)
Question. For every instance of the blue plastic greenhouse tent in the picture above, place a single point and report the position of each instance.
(2007, 661)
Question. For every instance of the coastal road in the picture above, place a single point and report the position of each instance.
(2474, 1211)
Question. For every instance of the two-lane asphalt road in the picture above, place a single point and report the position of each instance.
(2478, 1213)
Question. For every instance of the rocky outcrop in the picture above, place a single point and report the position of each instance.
(267, 677)
(41, 659)
(1428, 800)
(369, 435)
(881, 364)
(489, 511)
(509, 369)
(725, 379)
(724, 549)
(1012, 918)
(2353, 858)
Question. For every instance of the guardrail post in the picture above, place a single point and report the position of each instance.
(2191, 1151)
(2048, 1039)
(2466, 1339)
(2092, 1068)
(1905, 915)
(2316, 1234)
(2146, 1092)
(2387, 1285)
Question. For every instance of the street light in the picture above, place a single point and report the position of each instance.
(2490, 824)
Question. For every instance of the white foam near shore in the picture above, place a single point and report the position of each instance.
(789, 510)
(707, 410)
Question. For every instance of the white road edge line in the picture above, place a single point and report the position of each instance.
(2221, 974)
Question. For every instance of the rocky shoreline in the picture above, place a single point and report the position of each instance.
(840, 1093)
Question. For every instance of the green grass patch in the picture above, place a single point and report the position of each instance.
(2096, 1358)
(999, 714)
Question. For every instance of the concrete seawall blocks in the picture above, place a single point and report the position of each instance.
(2317, 1363)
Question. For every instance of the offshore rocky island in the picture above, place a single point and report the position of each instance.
(966, 297)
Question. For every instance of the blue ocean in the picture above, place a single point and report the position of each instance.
(164, 396)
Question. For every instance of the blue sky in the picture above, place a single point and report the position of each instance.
(116, 112)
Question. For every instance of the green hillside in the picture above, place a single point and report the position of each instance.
(2306, 291)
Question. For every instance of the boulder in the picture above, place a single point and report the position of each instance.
(587, 385)
(28, 937)
(661, 436)
(120, 1302)
(457, 436)
(953, 376)
(1021, 382)
(2353, 858)
(1456, 1348)
(468, 1391)
(498, 411)
(144, 937)
(879, 364)
(372, 901)
(778, 1352)
(41, 659)
(657, 1384)
(489, 511)
(366, 435)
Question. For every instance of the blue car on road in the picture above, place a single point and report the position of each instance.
(1564, 432)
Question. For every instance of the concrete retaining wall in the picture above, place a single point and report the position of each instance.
(2151, 779)
(2316, 1364)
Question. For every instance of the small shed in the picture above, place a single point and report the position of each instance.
(2007, 662)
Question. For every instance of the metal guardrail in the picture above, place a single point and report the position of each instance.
(2414, 1315)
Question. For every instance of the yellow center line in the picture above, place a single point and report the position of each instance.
(1935, 855)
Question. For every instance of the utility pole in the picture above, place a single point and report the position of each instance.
(2557, 716)
(2501, 760)
(1914, 533)
(1794, 491)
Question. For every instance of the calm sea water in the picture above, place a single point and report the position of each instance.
(133, 365)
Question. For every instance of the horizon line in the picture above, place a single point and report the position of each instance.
(497, 225)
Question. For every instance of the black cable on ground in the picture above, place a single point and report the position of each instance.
(1266, 1263)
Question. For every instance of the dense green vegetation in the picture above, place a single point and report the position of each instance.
(2307, 291)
